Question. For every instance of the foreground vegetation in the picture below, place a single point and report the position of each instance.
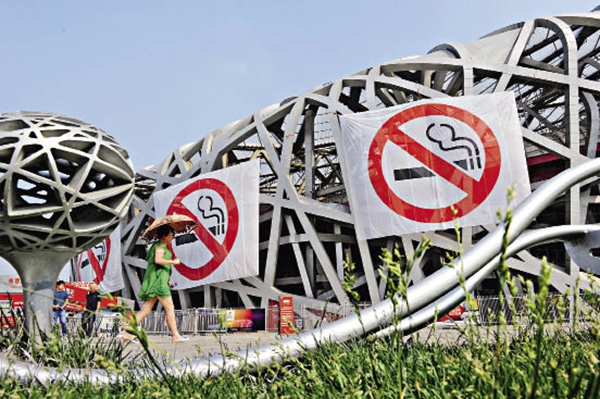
(538, 359)
(561, 364)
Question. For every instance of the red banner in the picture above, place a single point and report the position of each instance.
(77, 298)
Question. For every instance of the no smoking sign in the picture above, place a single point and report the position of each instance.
(443, 137)
(421, 166)
(212, 205)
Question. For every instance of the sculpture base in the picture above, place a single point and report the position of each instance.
(38, 272)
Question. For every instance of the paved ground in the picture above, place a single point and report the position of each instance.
(201, 346)
(205, 345)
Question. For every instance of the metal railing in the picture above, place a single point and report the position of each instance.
(487, 310)
(556, 308)
(190, 321)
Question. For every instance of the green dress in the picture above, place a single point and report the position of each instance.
(156, 279)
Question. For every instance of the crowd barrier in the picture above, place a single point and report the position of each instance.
(191, 321)
(202, 320)
(556, 308)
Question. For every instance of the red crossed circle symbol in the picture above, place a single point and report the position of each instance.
(100, 270)
(218, 250)
(477, 190)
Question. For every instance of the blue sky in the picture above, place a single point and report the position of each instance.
(159, 74)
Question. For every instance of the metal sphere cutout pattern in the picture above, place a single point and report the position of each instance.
(64, 183)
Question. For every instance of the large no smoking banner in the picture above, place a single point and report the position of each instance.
(425, 165)
(224, 246)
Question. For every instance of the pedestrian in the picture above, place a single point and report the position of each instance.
(92, 308)
(61, 300)
(157, 284)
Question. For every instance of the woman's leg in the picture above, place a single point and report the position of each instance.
(167, 304)
(145, 310)
(141, 315)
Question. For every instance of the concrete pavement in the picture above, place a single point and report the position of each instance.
(201, 346)
(205, 345)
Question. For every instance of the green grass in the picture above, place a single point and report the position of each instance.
(565, 363)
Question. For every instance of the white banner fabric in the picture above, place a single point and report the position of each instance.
(102, 264)
(425, 165)
(225, 245)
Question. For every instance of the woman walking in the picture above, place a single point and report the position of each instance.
(157, 282)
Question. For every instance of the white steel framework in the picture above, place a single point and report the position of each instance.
(552, 65)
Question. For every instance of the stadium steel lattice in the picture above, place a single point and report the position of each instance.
(552, 65)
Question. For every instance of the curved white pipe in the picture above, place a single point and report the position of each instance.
(443, 305)
(419, 296)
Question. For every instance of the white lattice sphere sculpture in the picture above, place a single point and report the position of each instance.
(64, 183)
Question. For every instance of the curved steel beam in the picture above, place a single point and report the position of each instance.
(444, 304)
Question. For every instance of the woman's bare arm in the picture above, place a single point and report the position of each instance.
(159, 258)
